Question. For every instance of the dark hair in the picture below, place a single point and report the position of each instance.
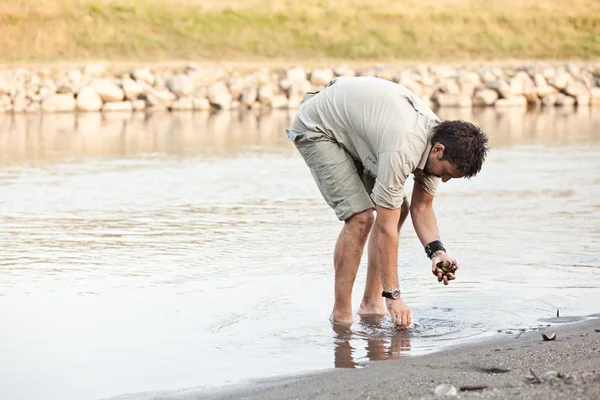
(465, 145)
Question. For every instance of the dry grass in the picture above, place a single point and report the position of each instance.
(250, 30)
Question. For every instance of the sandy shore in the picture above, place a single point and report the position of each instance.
(503, 364)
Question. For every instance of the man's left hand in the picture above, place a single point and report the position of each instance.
(452, 264)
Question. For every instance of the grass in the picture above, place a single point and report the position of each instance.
(255, 30)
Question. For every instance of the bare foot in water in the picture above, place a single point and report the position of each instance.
(378, 308)
(341, 318)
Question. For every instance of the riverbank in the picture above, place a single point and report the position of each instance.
(118, 87)
(511, 367)
(440, 31)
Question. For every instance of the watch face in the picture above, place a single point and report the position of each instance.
(395, 294)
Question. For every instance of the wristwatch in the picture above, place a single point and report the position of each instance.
(393, 294)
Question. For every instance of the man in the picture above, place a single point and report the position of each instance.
(361, 138)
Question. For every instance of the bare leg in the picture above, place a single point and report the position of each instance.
(372, 302)
(346, 258)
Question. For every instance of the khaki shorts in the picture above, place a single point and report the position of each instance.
(340, 178)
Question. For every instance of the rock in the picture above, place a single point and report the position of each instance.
(576, 88)
(488, 76)
(33, 107)
(265, 94)
(565, 101)
(236, 87)
(131, 89)
(88, 100)
(321, 77)
(448, 86)
(5, 104)
(66, 88)
(138, 105)
(517, 87)
(108, 90)
(502, 87)
(546, 90)
(207, 76)
(468, 82)
(285, 84)
(95, 70)
(144, 75)
(445, 391)
(279, 101)
(118, 106)
(443, 72)
(583, 100)
(296, 74)
(561, 80)
(19, 103)
(452, 100)
(548, 73)
(249, 96)
(485, 97)
(201, 103)
(219, 96)
(46, 91)
(181, 85)
(159, 98)
(514, 101)
(59, 103)
(342, 70)
(595, 96)
(531, 96)
(549, 376)
(549, 100)
(539, 80)
(387, 73)
(3, 86)
(183, 103)
(74, 76)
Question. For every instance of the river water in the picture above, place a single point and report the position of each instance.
(159, 252)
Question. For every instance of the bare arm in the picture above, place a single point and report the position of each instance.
(385, 231)
(423, 218)
(422, 215)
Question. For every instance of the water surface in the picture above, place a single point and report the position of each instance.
(156, 252)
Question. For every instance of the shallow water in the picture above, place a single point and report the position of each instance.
(143, 253)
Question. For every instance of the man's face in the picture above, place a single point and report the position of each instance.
(441, 168)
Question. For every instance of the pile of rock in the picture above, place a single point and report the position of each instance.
(96, 87)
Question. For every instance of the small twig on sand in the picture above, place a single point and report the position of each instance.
(473, 387)
(535, 376)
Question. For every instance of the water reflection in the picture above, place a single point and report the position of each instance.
(68, 137)
(377, 338)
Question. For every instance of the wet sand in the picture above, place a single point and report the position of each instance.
(503, 364)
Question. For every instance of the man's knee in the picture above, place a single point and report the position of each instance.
(361, 223)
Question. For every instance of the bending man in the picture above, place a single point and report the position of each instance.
(361, 138)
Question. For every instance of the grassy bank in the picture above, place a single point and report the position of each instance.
(254, 30)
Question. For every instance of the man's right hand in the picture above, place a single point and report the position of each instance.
(399, 312)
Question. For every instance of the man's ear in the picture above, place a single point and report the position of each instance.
(438, 150)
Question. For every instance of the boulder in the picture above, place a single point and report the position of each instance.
(118, 106)
(181, 85)
(485, 97)
(59, 103)
(219, 96)
(131, 89)
(108, 90)
(88, 100)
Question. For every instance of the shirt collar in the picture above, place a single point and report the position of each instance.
(425, 154)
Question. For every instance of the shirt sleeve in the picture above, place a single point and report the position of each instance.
(428, 182)
(393, 167)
